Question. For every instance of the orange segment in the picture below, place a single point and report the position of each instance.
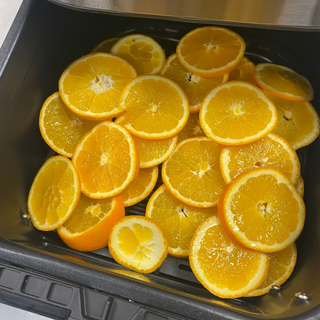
(156, 107)
(195, 87)
(270, 151)
(226, 269)
(192, 128)
(105, 45)
(192, 172)
(178, 221)
(237, 113)
(141, 186)
(107, 160)
(60, 128)
(210, 51)
(89, 226)
(262, 210)
(91, 85)
(244, 71)
(54, 193)
(281, 265)
(143, 52)
(138, 243)
(283, 82)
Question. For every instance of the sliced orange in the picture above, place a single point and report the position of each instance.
(156, 107)
(195, 87)
(223, 267)
(281, 265)
(283, 82)
(244, 71)
(105, 45)
(154, 152)
(138, 243)
(298, 122)
(91, 85)
(54, 193)
(107, 160)
(192, 172)
(141, 186)
(89, 226)
(236, 113)
(143, 52)
(60, 128)
(178, 221)
(210, 51)
(262, 210)
(300, 186)
(192, 128)
(270, 151)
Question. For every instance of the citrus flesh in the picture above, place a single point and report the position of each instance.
(192, 128)
(105, 45)
(244, 71)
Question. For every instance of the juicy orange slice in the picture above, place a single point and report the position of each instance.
(91, 85)
(283, 82)
(143, 52)
(262, 210)
(244, 71)
(223, 267)
(281, 265)
(156, 107)
(192, 172)
(107, 160)
(138, 243)
(210, 51)
(237, 113)
(195, 87)
(60, 128)
(89, 226)
(300, 186)
(192, 128)
(270, 151)
(141, 186)
(178, 221)
(105, 45)
(54, 193)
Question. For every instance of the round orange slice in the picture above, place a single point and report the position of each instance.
(210, 51)
(91, 85)
(262, 210)
(138, 243)
(54, 193)
(192, 172)
(107, 160)
(270, 151)
(244, 71)
(89, 226)
(236, 113)
(105, 45)
(223, 267)
(143, 52)
(283, 82)
(156, 107)
(192, 128)
(195, 87)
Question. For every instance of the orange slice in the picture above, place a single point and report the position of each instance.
(192, 128)
(244, 71)
(298, 122)
(192, 172)
(89, 226)
(105, 45)
(178, 221)
(237, 113)
(91, 85)
(138, 243)
(262, 210)
(141, 186)
(281, 265)
(210, 51)
(195, 87)
(156, 107)
(154, 152)
(226, 269)
(107, 160)
(60, 128)
(54, 193)
(143, 52)
(270, 151)
(300, 186)
(283, 82)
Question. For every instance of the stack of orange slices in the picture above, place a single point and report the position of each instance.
(228, 195)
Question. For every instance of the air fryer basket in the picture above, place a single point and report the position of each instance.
(43, 41)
